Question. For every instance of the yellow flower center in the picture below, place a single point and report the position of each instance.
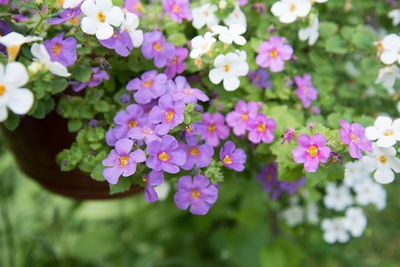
(148, 83)
(312, 151)
(226, 68)
(353, 138)
(123, 161)
(169, 116)
(56, 49)
(257, 78)
(382, 159)
(236, 14)
(147, 131)
(211, 128)
(144, 179)
(188, 91)
(2, 90)
(206, 13)
(163, 156)
(227, 160)
(176, 8)
(74, 21)
(273, 53)
(245, 117)
(195, 193)
(269, 176)
(132, 124)
(13, 51)
(292, 7)
(175, 60)
(101, 17)
(189, 128)
(157, 46)
(261, 127)
(389, 132)
(194, 151)
(198, 62)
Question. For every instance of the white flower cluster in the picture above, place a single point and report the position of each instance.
(296, 214)
(389, 53)
(228, 67)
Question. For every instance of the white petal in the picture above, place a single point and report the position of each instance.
(15, 75)
(304, 34)
(215, 76)
(58, 69)
(114, 16)
(391, 41)
(20, 100)
(369, 163)
(137, 38)
(287, 17)
(3, 113)
(104, 31)
(389, 56)
(278, 8)
(394, 163)
(104, 5)
(90, 25)
(372, 133)
(240, 40)
(39, 51)
(386, 141)
(231, 83)
(89, 8)
(384, 176)
(303, 8)
(383, 123)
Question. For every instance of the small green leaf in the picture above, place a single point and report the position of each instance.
(74, 125)
(124, 184)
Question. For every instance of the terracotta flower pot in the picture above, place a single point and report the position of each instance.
(35, 143)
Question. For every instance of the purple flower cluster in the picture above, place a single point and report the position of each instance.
(155, 47)
(62, 50)
(177, 9)
(245, 117)
(269, 177)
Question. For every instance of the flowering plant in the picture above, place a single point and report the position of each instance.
(152, 91)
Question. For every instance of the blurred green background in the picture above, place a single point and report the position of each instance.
(39, 228)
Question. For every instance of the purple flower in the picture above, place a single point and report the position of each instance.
(147, 109)
(154, 46)
(126, 120)
(292, 186)
(311, 151)
(150, 86)
(4, 29)
(243, 2)
(260, 78)
(110, 137)
(315, 110)
(97, 77)
(240, 117)
(354, 136)
(177, 9)
(199, 155)
(198, 193)
(288, 135)
(259, 7)
(305, 91)
(194, 128)
(145, 132)
(62, 51)
(93, 123)
(168, 112)
(214, 128)
(120, 41)
(177, 63)
(133, 6)
(273, 53)
(70, 14)
(154, 178)
(261, 128)
(125, 98)
(3, 2)
(122, 162)
(269, 177)
(165, 155)
(231, 157)
(181, 90)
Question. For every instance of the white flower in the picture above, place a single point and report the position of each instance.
(354, 173)
(319, 1)
(18, 99)
(222, 4)
(337, 198)
(231, 34)
(355, 221)
(201, 45)
(334, 230)
(293, 215)
(369, 192)
(382, 160)
(227, 69)
(13, 41)
(391, 49)
(236, 17)
(387, 77)
(162, 190)
(130, 24)
(71, 3)
(289, 10)
(42, 56)
(395, 16)
(312, 213)
(310, 33)
(204, 15)
(100, 15)
(385, 131)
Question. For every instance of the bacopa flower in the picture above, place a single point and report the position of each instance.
(369, 192)
(236, 17)
(395, 16)
(232, 157)
(204, 15)
(386, 131)
(168, 113)
(391, 49)
(177, 63)
(305, 91)
(181, 90)
(120, 42)
(13, 42)
(228, 68)
(177, 9)
(154, 46)
(354, 173)
(202, 45)
(273, 53)
(198, 193)
(71, 3)
(121, 161)
(382, 160)
(288, 135)
(261, 128)
(101, 15)
(133, 6)
(240, 117)
(293, 215)
(292, 186)
(214, 128)
(69, 14)
(153, 179)
(354, 136)
(42, 57)
(387, 76)
(146, 133)
(150, 86)
(19, 100)
(130, 24)
(289, 10)
(196, 154)
(62, 51)
(96, 79)
(126, 120)
(311, 151)
(165, 155)
(337, 197)
(268, 176)
(334, 230)
(230, 35)
(260, 78)
(310, 33)
(355, 221)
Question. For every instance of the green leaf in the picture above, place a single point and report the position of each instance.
(58, 85)
(327, 29)
(124, 184)
(177, 39)
(335, 44)
(81, 73)
(74, 125)
(12, 121)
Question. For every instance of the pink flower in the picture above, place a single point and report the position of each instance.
(305, 91)
(354, 136)
(214, 129)
(273, 53)
(311, 151)
(177, 9)
(239, 118)
(261, 128)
